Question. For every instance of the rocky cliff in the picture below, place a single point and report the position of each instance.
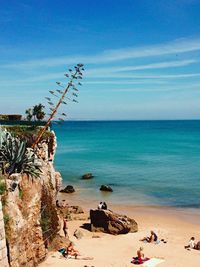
(30, 214)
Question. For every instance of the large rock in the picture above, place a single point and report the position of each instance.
(112, 223)
(68, 189)
(106, 188)
(87, 176)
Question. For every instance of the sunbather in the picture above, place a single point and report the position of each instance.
(72, 251)
(191, 243)
(140, 257)
(152, 238)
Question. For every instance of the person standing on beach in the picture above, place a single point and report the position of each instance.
(65, 227)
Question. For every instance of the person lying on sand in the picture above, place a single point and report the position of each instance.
(69, 251)
(72, 251)
(152, 238)
(140, 257)
(191, 244)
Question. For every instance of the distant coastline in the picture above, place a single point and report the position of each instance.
(125, 120)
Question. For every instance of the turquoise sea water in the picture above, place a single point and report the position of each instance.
(145, 162)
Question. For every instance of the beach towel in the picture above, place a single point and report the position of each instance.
(81, 258)
(152, 262)
(62, 251)
(154, 242)
(138, 261)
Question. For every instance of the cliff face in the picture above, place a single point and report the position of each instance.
(3, 248)
(30, 211)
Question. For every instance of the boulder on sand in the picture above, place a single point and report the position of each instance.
(68, 189)
(112, 223)
(106, 188)
(87, 176)
(78, 234)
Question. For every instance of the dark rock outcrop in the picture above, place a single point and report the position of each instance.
(112, 223)
(68, 189)
(87, 176)
(106, 188)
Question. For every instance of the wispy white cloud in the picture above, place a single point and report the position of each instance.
(160, 89)
(42, 78)
(175, 47)
(146, 76)
(125, 82)
(140, 78)
(159, 65)
(33, 79)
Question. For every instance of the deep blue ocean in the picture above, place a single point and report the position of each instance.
(145, 162)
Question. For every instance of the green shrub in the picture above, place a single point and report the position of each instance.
(2, 188)
(2, 185)
(21, 194)
(17, 157)
(45, 223)
(27, 133)
(6, 219)
(7, 222)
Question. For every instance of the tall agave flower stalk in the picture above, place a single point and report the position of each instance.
(74, 77)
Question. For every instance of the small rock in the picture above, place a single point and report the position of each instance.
(68, 189)
(95, 236)
(87, 176)
(75, 209)
(106, 188)
(78, 234)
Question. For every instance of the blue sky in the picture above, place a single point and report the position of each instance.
(142, 58)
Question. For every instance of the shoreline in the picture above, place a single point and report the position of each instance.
(191, 215)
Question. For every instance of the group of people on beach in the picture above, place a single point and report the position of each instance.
(70, 250)
(102, 206)
(153, 238)
(140, 258)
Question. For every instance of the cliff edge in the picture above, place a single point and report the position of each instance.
(30, 216)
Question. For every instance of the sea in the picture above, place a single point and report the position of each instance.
(151, 163)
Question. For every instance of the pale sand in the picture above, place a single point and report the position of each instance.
(117, 251)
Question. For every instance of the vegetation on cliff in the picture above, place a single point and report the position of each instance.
(35, 113)
(16, 157)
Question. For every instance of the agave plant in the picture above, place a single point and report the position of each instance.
(17, 157)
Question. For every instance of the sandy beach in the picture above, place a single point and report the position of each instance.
(176, 226)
